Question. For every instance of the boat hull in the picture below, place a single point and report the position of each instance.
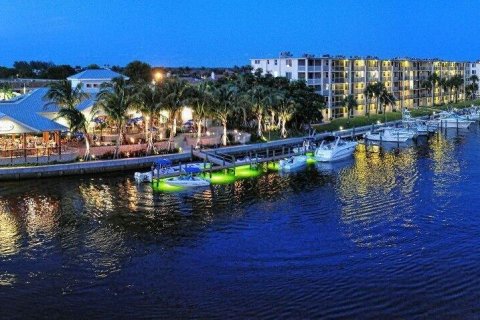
(188, 183)
(335, 154)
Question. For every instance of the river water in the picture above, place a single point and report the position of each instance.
(392, 234)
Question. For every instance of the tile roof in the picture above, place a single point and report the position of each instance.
(96, 74)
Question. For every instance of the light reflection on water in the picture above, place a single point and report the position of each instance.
(380, 234)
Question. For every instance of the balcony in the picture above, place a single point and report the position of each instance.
(301, 68)
(359, 79)
(340, 80)
(315, 69)
(314, 81)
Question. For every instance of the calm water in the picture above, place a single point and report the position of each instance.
(392, 234)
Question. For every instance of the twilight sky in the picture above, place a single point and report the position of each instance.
(229, 32)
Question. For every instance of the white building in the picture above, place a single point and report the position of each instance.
(335, 77)
(472, 69)
(91, 79)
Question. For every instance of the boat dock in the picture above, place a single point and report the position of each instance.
(221, 158)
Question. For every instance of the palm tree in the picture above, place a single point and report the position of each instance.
(456, 83)
(225, 99)
(369, 92)
(427, 85)
(474, 79)
(434, 79)
(259, 98)
(116, 98)
(445, 85)
(350, 103)
(199, 98)
(6, 91)
(67, 98)
(285, 107)
(149, 104)
(386, 98)
(173, 100)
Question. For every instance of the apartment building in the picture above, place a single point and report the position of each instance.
(335, 77)
(473, 68)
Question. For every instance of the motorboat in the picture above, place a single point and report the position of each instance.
(421, 126)
(450, 120)
(389, 134)
(163, 167)
(293, 162)
(337, 149)
(189, 179)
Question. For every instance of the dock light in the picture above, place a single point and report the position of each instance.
(341, 128)
(208, 133)
(235, 131)
(378, 122)
(180, 149)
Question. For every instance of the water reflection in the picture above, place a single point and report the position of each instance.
(9, 232)
(372, 193)
(317, 240)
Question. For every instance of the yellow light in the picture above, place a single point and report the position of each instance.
(158, 76)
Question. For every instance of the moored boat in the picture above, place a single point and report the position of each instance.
(293, 162)
(335, 150)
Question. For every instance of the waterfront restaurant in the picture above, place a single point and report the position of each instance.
(26, 132)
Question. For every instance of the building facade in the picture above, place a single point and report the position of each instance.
(335, 77)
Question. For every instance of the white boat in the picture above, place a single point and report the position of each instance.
(163, 167)
(335, 150)
(390, 135)
(188, 180)
(450, 120)
(292, 163)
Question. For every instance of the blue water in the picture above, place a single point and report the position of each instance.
(392, 234)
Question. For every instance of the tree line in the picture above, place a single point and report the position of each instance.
(243, 101)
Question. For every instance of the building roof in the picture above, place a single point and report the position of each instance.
(96, 74)
(28, 110)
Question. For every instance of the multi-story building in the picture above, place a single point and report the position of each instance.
(335, 77)
(473, 69)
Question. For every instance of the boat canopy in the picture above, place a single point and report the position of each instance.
(192, 170)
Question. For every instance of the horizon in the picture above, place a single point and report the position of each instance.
(216, 34)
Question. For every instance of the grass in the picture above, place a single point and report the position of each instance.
(359, 121)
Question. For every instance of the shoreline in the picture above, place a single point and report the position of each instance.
(118, 165)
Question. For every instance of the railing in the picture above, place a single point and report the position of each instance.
(317, 68)
(314, 81)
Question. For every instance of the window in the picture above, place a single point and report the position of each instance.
(474, 72)
(275, 62)
(288, 62)
(89, 85)
(268, 61)
(288, 75)
(95, 85)
(257, 61)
